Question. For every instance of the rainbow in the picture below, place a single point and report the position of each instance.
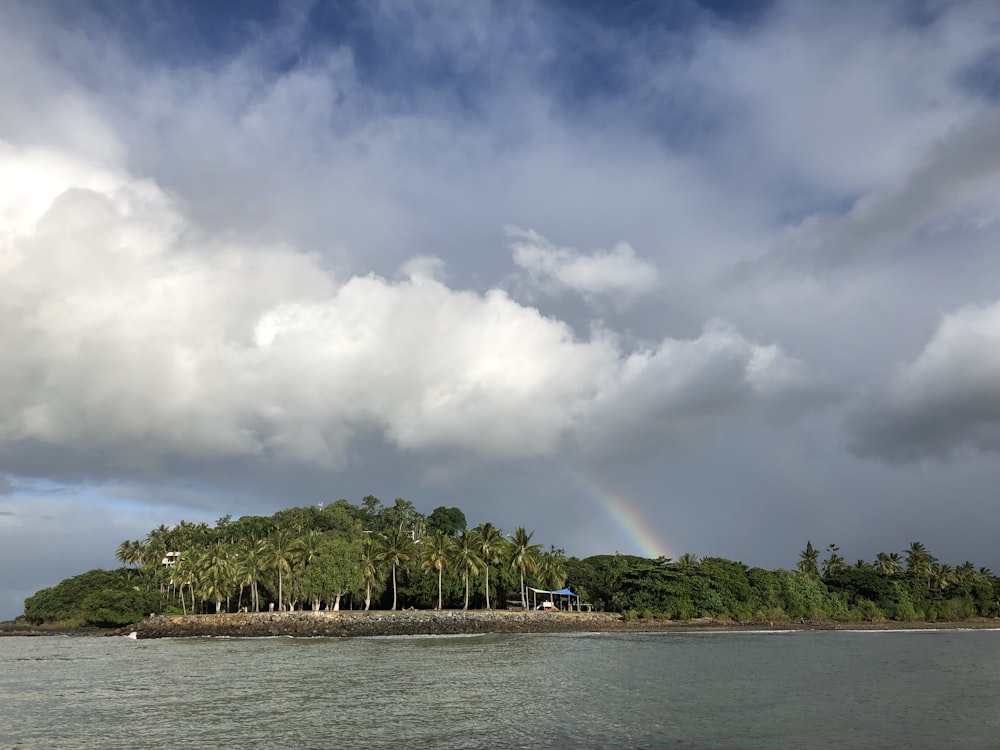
(623, 514)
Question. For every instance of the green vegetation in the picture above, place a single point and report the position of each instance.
(387, 557)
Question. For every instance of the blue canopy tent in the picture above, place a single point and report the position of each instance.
(564, 592)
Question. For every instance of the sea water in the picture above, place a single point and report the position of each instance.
(926, 689)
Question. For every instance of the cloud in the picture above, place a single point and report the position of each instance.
(251, 258)
(680, 389)
(618, 271)
(946, 400)
(954, 185)
(146, 341)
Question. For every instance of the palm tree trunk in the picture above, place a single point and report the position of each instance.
(466, 590)
(487, 566)
(368, 595)
(524, 594)
(394, 586)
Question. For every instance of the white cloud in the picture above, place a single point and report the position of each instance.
(947, 399)
(680, 388)
(617, 271)
(144, 340)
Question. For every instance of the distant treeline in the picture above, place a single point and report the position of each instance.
(388, 556)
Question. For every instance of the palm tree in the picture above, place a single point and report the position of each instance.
(254, 555)
(523, 557)
(834, 563)
(490, 547)
(942, 575)
(242, 572)
(434, 553)
(216, 574)
(152, 554)
(809, 561)
(890, 563)
(130, 552)
(180, 576)
(395, 548)
(552, 569)
(465, 558)
(300, 553)
(371, 573)
(920, 562)
(278, 560)
(687, 560)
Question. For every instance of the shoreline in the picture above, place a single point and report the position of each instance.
(348, 623)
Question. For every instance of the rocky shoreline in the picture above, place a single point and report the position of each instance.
(325, 624)
(344, 624)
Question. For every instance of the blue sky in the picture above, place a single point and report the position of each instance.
(726, 272)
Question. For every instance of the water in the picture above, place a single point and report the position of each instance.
(937, 689)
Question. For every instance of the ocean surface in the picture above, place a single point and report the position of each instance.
(926, 689)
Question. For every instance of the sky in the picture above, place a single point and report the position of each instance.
(647, 277)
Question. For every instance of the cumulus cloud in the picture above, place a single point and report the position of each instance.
(618, 271)
(946, 400)
(681, 387)
(144, 340)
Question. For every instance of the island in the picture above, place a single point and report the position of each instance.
(389, 570)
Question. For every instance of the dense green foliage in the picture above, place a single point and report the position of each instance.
(99, 598)
(917, 588)
(373, 555)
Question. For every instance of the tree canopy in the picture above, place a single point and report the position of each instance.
(391, 556)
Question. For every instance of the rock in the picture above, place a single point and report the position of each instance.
(346, 623)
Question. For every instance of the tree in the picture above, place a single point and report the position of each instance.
(834, 563)
(449, 521)
(334, 570)
(184, 572)
(130, 552)
(523, 557)
(371, 574)
(278, 560)
(889, 563)
(77, 599)
(919, 562)
(490, 548)
(301, 553)
(809, 561)
(395, 548)
(552, 569)
(942, 576)
(254, 555)
(466, 560)
(434, 554)
(687, 560)
(212, 574)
